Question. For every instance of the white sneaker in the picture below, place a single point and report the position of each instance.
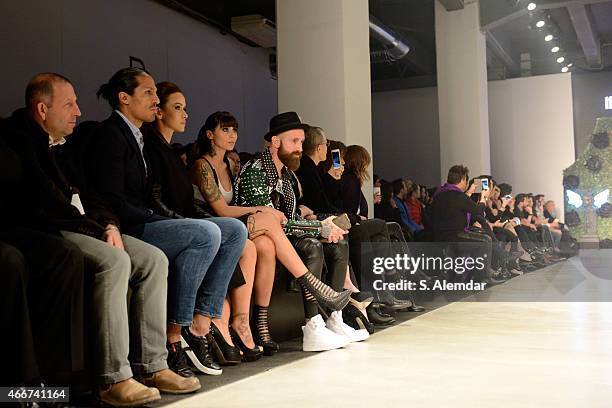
(337, 325)
(319, 338)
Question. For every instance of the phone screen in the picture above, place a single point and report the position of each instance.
(336, 158)
(485, 184)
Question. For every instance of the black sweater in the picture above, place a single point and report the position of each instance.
(353, 200)
(333, 190)
(449, 214)
(313, 190)
(43, 201)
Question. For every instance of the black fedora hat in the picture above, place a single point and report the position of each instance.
(284, 122)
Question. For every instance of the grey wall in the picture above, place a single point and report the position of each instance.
(589, 91)
(406, 136)
(528, 117)
(89, 40)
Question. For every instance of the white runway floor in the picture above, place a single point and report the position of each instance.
(461, 355)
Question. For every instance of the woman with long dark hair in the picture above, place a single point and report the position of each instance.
(173, 196)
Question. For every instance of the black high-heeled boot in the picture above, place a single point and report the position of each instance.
(224, 353)
(261, 331)
(357, 320)
(326, 296)
(248, 354)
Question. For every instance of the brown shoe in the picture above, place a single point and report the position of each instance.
(170, 382)
(128, 393)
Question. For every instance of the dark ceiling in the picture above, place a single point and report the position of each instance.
(577, 25)
(581, 29)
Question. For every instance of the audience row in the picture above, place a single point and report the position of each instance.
(194, 237)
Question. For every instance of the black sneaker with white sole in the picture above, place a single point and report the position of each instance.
(197, 349)
(177, 360)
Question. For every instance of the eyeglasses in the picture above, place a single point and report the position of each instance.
(326, 143)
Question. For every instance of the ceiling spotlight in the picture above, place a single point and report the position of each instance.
(560, 60)
(555, 49)
(549, 37)
(570, 65)
(531, 6)
(540, 23)
(564, 69)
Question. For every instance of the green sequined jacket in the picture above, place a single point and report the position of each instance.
(259, 185)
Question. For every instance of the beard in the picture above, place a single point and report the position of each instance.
(289, 159)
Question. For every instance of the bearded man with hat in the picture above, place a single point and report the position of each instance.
(268, 179)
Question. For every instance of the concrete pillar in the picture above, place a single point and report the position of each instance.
(323, 60)
(462, 89)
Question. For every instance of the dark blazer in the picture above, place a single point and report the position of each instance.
(117, 171)
(70, 158)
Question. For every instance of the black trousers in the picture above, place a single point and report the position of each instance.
(484, 249)
(528, 237)
(15, 317)
(319, 258)
(362, 252)
(505, 236)
(336, 263)
(50, 274)
(545, 237)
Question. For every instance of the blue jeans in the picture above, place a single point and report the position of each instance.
(203, 255)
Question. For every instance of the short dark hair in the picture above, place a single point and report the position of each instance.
(313, 136)
(505, 189)
(40, 88)
(333, 144)
(457, 173)
(124, 80)
(219, 118)
(398, 184)
(386, 192)
(245, 157)
(164, 90)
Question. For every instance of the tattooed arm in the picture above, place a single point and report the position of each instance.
(203, 178)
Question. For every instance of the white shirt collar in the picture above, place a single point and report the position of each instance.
(132, 126)
(56, 143)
